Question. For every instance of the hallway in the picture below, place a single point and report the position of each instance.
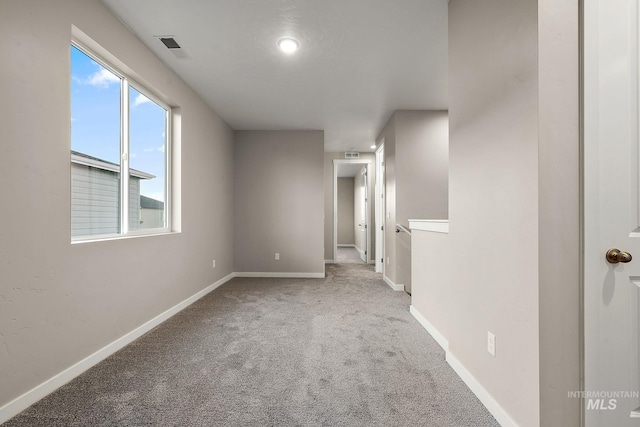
(348, 256)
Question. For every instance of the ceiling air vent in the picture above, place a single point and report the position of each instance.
(351, 155)
(170, 42)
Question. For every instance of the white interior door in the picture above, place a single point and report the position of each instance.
(611, 215)
(379, 194)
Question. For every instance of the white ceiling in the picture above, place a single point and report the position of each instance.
(359, 60)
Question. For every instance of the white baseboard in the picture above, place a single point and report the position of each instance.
(279, 275)
(392, 285)
(474, 385)
(498, 412)
(346, 246)
(329, 261)
(440, 339)
(22, 402)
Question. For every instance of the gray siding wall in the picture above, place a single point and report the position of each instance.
(95, 201)
(134, 203)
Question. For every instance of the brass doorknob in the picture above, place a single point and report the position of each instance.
(615, 256)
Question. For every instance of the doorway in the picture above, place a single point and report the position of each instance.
(358, 172)
(380, 208)
(611, 293)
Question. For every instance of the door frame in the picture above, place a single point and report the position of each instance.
(336, 163)
(380, 207)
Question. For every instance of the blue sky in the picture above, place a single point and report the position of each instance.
(95, 122)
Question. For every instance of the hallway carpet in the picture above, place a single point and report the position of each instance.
(348, 256)
(339, 351)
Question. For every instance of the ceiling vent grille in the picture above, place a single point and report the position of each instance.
(173, 46)
(351, 155)
(170, 42)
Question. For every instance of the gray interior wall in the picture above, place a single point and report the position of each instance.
(59, 302)
(359, 213)
(419, 141)
(346, 221)
(278, 204)
(559, 249)
(493, 205)
(328, 203)
(422, 192)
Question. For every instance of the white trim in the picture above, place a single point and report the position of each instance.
(279, 275)
(392, 285)
(329, 261)
(440, 339)
(503, 418)
(22, 402)
(434, 225)
(346, 246)
(492, 405)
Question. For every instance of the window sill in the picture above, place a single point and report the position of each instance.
(110, 237)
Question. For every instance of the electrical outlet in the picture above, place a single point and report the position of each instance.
(277, 256)
(213, 264)
(491, 343)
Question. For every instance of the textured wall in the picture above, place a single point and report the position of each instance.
(416, 160)
(59, 302)
(483, 275)
(422, 150)
(278, 205)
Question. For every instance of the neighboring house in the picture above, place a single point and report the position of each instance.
(95, 206)
(151, 212)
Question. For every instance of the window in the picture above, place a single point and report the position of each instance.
(120, 149)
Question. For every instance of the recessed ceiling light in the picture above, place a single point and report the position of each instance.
(373, 146)
(288, 45)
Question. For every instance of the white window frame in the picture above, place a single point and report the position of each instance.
(126, 82)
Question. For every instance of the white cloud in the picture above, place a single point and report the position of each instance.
(133, 155)
(101, 78)
(161, 148)
(148, 150)
(140, 99)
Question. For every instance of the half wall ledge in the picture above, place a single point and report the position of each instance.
(433, 225)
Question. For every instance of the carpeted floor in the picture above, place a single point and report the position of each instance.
(339, 351)
(348, 256)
